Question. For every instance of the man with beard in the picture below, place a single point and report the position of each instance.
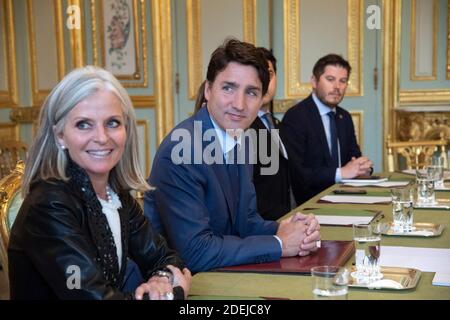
(319, 135)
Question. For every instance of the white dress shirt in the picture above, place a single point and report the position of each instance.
(324, 110)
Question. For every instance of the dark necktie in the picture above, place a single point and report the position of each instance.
(269, 118)
(233, 172)
(334, 139)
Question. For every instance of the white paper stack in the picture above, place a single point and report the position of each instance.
(356, 199)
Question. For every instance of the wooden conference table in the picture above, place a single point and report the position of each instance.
(227, 285)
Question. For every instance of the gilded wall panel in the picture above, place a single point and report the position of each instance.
(144, 145)
(8, 72)
(9, 131)
(358, 122)
(448, 41)
(162, 55)
(405, 96)
(423, 40)
(208, 24)
(349, 22)
(404, 117)
(45, 24)
(119, 39)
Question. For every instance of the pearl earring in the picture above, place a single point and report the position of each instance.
(63, 147)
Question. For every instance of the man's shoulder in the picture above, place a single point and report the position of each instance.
(300, 111)
(302, 106)
(181, 130)
(343, 112)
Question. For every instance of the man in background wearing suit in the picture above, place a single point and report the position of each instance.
(273, 191)
(320, 136)
(207, 209)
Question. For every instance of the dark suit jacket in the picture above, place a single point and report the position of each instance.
(272, 191)
(59, 226)
(310, 161)
(195, 206)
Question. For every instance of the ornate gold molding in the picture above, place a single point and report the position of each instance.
(249, 16)
(59, 28)
(413, 44)
(358, 122)
(424, 97)
(9, 131)
(281, 106)
(403, 97)
(25, 114)
(140, 77)
(38, 94)
(143, 101)
(77, 39)
(94, 32)
(195, 57)
(144, 123)
(448, 41)
(423, 125)
(194, 34)
(9, 98)
(162, 53)
(391, 62)
(355, 46)
(294, 87)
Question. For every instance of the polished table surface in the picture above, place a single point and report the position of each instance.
(217, 285)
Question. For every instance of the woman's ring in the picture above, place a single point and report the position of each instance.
(167, 296)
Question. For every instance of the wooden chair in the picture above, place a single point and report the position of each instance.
(415, 153)
(11, 151)
(10, 202)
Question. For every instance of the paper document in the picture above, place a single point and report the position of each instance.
(385, 184)
(441, 279)
(356, 199)
(365, 181)
(424, 259)
(342, 220)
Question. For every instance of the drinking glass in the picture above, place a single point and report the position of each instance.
(330, 282)
(402, 208)
(367, 239)
(425, 180)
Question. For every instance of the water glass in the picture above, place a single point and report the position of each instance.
(402, 208)
(367, 239)
(437, 166)
(330, 282)
(425, 179)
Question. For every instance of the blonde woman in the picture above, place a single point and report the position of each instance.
(79, 224)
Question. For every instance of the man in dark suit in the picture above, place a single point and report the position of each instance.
(319, 135)
(204, 202)
(273, 191)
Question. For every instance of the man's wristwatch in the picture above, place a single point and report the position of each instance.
(164, 273)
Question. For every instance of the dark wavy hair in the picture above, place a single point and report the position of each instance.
(268, 55)
(333, 60)
(233, 50)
